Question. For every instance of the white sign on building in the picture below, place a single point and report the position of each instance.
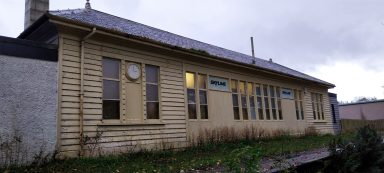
(218, 83)
(286, 93)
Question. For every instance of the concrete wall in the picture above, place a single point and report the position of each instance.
(28, 108)
(363, 111)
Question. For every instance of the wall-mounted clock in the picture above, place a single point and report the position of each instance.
(133, 71)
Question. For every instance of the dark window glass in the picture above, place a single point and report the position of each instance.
(272, 91)
(258, 91)
(236, 113)
(268, 114)
(111, 68)
(274, 115)
(279, 108)
(192, 111)
(191, 96)
(153, 110)
(273, 103)
(261, 114)
(152, 92)
(111, 109)
(243, 101)
(204, 111)
(333, 113)
(151, 74)
(301, 110)
(203, 97)
(235, 100)
(252, 101)
(245, 113)
(265, 90)
(111, 90)
(253, 113)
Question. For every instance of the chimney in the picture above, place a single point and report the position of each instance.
(33, 10)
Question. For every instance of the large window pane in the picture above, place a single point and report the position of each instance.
(202, 81)
(111, 90)
(204, 111)
(235, 100)
(234, 86)
(243, 101)
(151, 74)
(242, 87)
(111, 68)
(203, 97)
(236, 113)
(152, 92)
(111, 109)
(153, 110)
(245, 113)
(253, 113)
(251, 101)
(192, 111)
(258, 91)
(190, 79)
(191, 96)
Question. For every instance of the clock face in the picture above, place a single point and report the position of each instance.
(133, 71)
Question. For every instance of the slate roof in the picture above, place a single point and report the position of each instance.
(110, 22)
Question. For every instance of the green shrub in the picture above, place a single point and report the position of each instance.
(364, 153)
(244, 159)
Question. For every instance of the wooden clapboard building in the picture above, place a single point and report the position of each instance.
(139, 85)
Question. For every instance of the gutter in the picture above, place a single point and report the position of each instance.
(81, 114)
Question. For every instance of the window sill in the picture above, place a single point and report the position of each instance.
(131, 124)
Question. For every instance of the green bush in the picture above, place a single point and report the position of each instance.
(364, 153)
(244, 159)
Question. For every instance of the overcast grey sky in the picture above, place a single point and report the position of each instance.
(339, 41)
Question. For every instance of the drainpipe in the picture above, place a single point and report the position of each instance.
(81, 115)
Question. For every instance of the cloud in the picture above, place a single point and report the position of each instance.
(309, 36)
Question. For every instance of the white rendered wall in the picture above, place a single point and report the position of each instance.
(28, 108)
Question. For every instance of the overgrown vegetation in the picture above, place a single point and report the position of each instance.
(239, 156)
(364, 153)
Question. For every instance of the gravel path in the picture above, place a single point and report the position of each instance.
(279, 163)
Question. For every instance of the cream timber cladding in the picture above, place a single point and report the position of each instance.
(122, 134)
(220, 111)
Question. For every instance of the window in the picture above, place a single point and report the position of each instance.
(235, 100)
(299, 104)
(191, 89)
(259, 102)
(273, 102)
(317, 106)
(251, 98)
(201, 88)
(111, 88)
(203, 96)
(333, 114)
(152, 91)
(279, 103)
(266, 102)
(243, 98)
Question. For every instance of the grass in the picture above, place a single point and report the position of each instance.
(204, 157)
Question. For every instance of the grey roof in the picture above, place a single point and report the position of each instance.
(110, 22)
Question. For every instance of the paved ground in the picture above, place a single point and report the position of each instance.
(283, 162)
